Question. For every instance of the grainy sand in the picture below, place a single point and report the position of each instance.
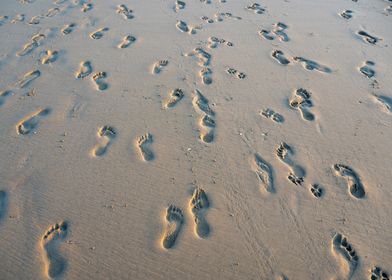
(192, 139)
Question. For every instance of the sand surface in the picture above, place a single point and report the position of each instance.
(163, 139)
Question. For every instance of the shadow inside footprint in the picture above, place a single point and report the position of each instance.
(198, 205)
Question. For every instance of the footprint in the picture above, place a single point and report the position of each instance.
(49, 57)
(18, 18)
(179, 5)
(271, 114)
(35, 42)
(301, 101)
(203, 56)
(127, 41)
(346, 14)
(52, 12)
(266, 34)
(312, 65)
(125, 12)
(35, 20)
(198, 205)
(3, 203)
(343, 249)
(367, 70)
(279, 31)
(256, 8)
(378, 274)
(200, 103)
(207, 123)
(68, 28)
(4, 95)
(85, 70)
(316, 190)
(183, 26)
(98, 80)
(279, 56)
(143, 144)
(264, 172)
(355, 185)
(106, 135)
(175, 96)
(205, 74)
(86, 7)
(175, 219)
(158, 66)
(284, 153)
(54, 263)
(29, 123)
(367, 37)
(98, 34)
(385, 102)
(28, 78)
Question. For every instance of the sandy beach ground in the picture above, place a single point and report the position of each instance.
(195, 139)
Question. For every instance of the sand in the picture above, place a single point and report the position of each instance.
(195, 139)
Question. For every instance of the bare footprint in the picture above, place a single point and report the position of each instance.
(143, 144)
(85, 70)
(106, 135)
(175, 96)
(301, 101)
(198, 205)
(205, 74)
(34, 43)
(86, 7)
(127, 41)
(355, 185)
(159, 65)
(30, 123)
(98, 80)
(343, 250)
(54, 263)
(284, 153)
(68, 28)
(200, 103)
(49, 57)
(175, 219)
(182, 26)
(367, 37)
(28, 78)
(279, 56)
(179, 5)
(264, 173)
(312, 65)
(367, 70)
(125, 12)
(98, 34)
(346, 14)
